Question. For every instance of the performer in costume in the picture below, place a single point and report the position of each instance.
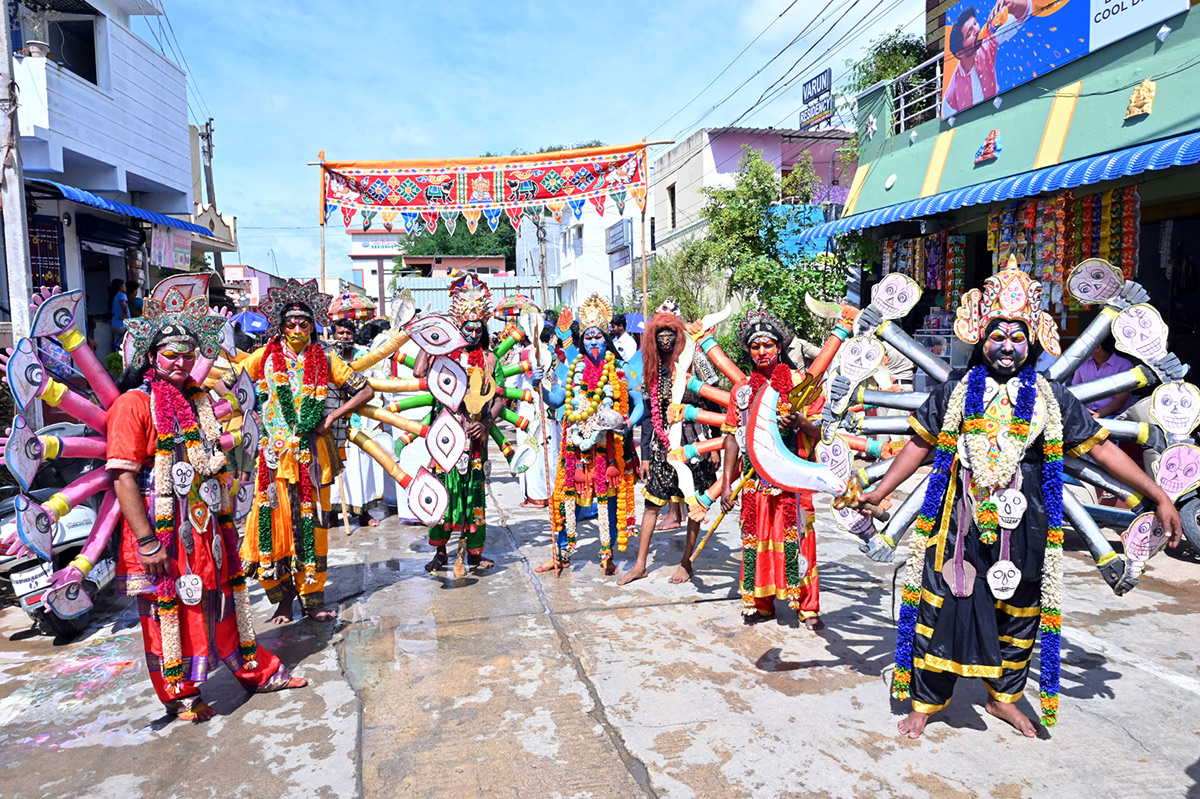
(665, 336)
(287, 535)
(364, 478)
(984, 569)
(178, 548)
(779, 545)
(597, 458)
(471, 308)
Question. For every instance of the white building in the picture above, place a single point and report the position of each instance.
(373, 259)
(577, 261)
(106, 149)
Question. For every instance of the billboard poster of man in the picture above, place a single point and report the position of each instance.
(990, 49)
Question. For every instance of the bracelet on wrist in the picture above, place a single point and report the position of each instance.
(149, 538)
(153, 552)
(83, 564)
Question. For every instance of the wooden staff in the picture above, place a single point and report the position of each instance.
(737, 490)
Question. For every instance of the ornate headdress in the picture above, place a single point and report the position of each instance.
(595, 312)
(296, 299)
(173, 320)
(761, 321)
(1013, 296)
(470, 299)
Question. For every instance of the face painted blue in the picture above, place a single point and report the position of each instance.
(593, 344)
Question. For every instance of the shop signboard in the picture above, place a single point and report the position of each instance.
(620, 258)
(618, 236)
(817, 95)
(160, 246)
(990, 49)
(181, 249)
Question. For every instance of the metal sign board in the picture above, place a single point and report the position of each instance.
(817, 86)
(618, 236)
(621, 257)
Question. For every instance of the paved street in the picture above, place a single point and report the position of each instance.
(518, 684)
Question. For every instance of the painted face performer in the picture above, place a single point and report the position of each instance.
(665, 337)
(287, 535)
(598, 462)
(984, 569)
(779, 545)
(471, 308)
(178, 552)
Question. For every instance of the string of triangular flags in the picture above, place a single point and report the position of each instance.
(420, 195)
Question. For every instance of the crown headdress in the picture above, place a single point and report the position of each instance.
(178, 319)
(1011, 295)
(595, 312)
(308, 295)
(760, 320)
(470, 299)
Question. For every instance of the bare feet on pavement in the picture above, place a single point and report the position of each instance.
(438, 562)
(1008, 712)
(320, 614)
(682, 574)
(550, 565)
(197, 713)
(635, 572)
(913, 724)
(814, 624)
(283, 613)
(609, 567)
(480, 562)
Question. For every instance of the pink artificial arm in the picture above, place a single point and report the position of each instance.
(97, 540)
(79, 490)
(57, 395)
(74, 447)
(90, 367)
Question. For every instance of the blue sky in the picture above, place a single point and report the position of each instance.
(365, 80)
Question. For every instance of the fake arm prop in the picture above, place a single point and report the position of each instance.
(427, 496)
(29, 381)
(55, 316)
(35, 522)
(66, 596)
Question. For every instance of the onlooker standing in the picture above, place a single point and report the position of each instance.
(118, 301)
(1104, 362)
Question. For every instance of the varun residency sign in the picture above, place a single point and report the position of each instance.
(990, 49)
(818, 100)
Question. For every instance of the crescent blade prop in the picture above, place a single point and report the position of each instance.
(773, 461)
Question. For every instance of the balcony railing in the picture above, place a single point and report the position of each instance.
(915, 95)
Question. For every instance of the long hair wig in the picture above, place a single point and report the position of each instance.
(650, 356)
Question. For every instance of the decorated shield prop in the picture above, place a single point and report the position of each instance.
(34, 527)
(226, 341)
(69, 601)
(1140, 331)
(1175, 407)
(446, 440)
(189, 284)
(437, 335)
(23, 454)
(447, 382)
(895, 295)
(56, 315)
(1144, 539)
(244, 500)
(1178, 470)
(25, 375)
(1094, 281)
(243, 392)
(251, 434)
(427, 497)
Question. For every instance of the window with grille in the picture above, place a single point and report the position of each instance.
(46, 251)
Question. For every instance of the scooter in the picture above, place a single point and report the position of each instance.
(24, 580)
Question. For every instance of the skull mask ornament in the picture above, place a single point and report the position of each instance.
(1175, 407)
(895, 295)
(1095, 281)
(836, 455)
(1140, 331)
(1178, 471)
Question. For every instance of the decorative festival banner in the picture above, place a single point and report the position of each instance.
(429, 190)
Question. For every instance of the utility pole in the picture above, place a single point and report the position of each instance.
(12, 193)
(206, 147)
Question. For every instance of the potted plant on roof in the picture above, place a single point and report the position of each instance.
(35, 24)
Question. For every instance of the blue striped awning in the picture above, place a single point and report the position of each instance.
(103, 203)
(1179, 151)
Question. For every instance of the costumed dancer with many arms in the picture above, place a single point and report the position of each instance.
(179, 545)
(984, 570)
(287, 530)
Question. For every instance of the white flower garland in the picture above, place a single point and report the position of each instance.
(988, 476)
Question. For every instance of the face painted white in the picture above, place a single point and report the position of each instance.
(895, 295)
(1140, 331)
(861, 356)
(836, 455)
(1095, 281)
(1175, 407)
(1178, 470)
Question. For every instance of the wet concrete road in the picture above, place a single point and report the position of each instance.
(518, 684)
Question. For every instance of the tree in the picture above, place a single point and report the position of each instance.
(887, 57)
(483, 242)
(688, 274)
(746, 235)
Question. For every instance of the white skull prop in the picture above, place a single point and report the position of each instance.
(1178, 470)
(1010, 506)
(1002, 579)
(861, 356)
(895, 295)
(1175, 407)
(1094, 281)
(1140, 331)
(1144, 538)
(836, 455)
